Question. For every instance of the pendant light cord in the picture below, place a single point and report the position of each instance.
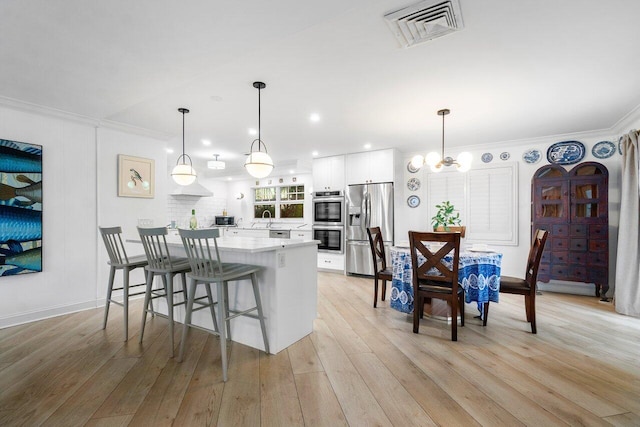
(443, 137)
(259, 114)
(183, 161)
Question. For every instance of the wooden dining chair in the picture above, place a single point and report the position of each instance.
(380, 270)
(436, 277)
(526, 286)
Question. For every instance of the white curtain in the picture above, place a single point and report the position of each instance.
(627, 291)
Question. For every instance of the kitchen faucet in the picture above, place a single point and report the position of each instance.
(266, 211)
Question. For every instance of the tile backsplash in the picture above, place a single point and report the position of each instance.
(179, 209)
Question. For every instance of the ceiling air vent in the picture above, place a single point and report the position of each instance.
(424, 21)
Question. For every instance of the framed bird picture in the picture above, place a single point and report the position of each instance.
(20, 208)
(136, 177)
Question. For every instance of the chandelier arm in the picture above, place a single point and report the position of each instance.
(443, 137)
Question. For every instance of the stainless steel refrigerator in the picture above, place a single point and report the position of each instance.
(368, 205)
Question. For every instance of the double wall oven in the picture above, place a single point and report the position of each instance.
(328, 221)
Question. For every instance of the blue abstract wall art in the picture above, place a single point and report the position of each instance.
(20, 208)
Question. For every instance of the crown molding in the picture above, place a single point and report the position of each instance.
(29, 107)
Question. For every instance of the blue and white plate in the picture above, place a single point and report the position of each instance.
(504, 155)
(412, 169)
(413, 184)
(603, 150)
(620, 145)
(566, 152)
(487, 157)
(413, 201)
(531, 156)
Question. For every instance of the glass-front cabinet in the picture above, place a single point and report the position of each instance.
(573, 207)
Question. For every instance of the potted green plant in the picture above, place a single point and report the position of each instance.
(447, 218)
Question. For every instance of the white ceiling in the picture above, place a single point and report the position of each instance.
(519, 69)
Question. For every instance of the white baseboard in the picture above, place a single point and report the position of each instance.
(19, 319)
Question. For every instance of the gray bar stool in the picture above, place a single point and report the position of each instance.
(163, 265)
(118, 260)
(207, 268)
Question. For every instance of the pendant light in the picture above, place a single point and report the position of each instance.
(437, 161)
(183, 173)
(259, 163)
(216, 164)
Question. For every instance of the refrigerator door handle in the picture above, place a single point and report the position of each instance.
(367, 210)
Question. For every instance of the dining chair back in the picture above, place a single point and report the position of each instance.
(161, 263)
(207, 267)
(435, 257)
(379, 258)
(526, 286)
(119, 260)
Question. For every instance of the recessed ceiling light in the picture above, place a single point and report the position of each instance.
(314, 117)
(206, 142)
(229, 178)
(252, 131)
(314, 153)
(169, 150)
(367, 145)
(291, 171)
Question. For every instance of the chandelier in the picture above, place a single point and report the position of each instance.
(436, 161)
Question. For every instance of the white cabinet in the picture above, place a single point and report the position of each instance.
(328, 173)
(246, 232)
(370, 166)
(330, 261)
(301, 234)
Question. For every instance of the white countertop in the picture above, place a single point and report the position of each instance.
(245, 244)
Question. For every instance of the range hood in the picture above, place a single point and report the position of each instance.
(195, 189)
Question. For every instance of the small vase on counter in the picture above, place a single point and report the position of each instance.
(193, 221)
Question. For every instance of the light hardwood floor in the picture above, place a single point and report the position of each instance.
(360, 367)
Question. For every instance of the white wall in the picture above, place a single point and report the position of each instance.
(67, 282)
(515, 257)
(79, 193)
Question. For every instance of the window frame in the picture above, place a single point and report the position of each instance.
(278, 202)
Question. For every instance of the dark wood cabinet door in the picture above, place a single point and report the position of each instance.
(573, 206)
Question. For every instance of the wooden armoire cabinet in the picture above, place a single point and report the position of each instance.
(573, 207)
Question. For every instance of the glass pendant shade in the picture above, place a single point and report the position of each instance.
(183, 173)
(216, 164)
(259, 164)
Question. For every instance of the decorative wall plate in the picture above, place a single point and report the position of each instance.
(565, 152)
(413, 201)
(531, 156)
(411, 169)
(504, 155)
(620, 145)
(603, 150)
(413, 184)
(487, 157)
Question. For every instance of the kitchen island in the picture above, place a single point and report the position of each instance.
(288, 287)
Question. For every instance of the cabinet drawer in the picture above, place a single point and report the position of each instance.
(578, 273)
(559, 271)
(578, 245)
(598, 231)
(598, 245)
(578, 258)
(598, 275)
(578, 230)
(330, 261)
(546, 257)
(560, 230)
(560, 257)
(543, 272)
(559, 244)
(598, 258)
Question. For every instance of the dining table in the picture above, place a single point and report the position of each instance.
(478, 274)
